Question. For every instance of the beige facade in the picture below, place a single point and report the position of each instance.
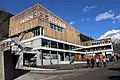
(38, 16)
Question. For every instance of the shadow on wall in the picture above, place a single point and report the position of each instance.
(18, 73)
(114, 77)
(10, 61)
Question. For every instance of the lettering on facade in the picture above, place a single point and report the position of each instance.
(29, 18)
(56, 21)
(51, 18)
(45, 16)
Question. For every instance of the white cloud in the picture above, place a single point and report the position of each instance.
(72, 22)
(106, 15)
(117, 18)
(114, 22)
(90, 7)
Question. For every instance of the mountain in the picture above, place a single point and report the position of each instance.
(115, 37)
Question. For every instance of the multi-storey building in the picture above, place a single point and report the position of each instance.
(47, 39)
(47, 33)
(97, 47)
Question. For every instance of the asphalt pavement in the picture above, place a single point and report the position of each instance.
(111, 72)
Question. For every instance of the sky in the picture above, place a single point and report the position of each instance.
(91, 17)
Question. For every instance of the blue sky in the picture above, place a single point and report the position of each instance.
(90, 17)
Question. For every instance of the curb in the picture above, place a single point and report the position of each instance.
(56, 72)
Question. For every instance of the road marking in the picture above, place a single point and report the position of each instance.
(107, 72)
(116, 64)
(61, 76)
(49, 78)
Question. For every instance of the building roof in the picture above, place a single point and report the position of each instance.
(85, 38)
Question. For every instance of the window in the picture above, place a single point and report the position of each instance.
(57, 28)
(60, 29)
(36, 32)
(51, 26)
(45, 43)
(42, 31)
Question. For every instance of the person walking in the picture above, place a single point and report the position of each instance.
(72, 60)
(97, 62)
(117, 57)
(88, 62)
(92, 62)
(104, 62)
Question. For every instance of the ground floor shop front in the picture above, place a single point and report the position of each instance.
(47, 57)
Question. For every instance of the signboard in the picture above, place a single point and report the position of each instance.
(4, 45)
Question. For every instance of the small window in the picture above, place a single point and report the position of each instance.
(51, 26)
(55, 27)
(60, 29)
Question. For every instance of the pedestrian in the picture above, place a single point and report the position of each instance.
(97, 62)
(88, 62)
(117, 57)
(72, 60)
(104, 61)
(92, 62)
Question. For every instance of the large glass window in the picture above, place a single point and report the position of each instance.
(45, 43)
(38, 31)
(60, 45)
(61, 56)
(42, 31)
(67, 56)
(66, 46)
(53, 44)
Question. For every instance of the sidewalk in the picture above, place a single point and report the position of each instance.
(51, 75)
(77, 68)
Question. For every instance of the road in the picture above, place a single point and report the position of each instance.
(112, 72)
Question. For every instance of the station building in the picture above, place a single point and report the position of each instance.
(52, 40)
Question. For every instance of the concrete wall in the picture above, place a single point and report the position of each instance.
(1, 66)
(8, 65)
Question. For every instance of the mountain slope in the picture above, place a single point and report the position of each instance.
(115, 36)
